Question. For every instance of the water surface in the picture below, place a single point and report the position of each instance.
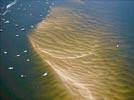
(89, 44)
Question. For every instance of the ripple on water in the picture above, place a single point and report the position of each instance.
(84, 54)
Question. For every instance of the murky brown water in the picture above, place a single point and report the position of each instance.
(83, 45)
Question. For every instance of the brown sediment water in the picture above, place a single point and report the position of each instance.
(84, 53)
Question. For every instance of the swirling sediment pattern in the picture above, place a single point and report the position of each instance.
(86, 55)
